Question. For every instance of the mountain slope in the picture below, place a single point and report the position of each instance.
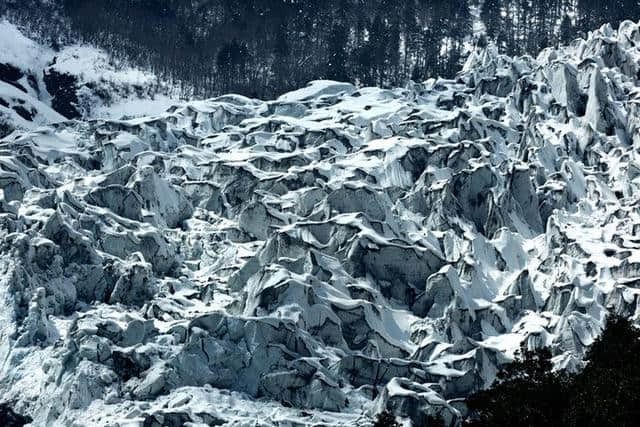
(320, 257)
(39, 85)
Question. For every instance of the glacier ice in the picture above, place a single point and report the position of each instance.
(319, 258)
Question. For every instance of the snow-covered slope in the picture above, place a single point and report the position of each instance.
(23, 99)
(41, 86)
(317, 258)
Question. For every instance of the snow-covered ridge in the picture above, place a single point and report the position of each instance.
(41, 86)
(315, 259)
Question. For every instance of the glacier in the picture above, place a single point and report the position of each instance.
(321, 257)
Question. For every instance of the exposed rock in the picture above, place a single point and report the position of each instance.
(62, 88)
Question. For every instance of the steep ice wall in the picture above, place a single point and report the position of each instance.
(315, 259)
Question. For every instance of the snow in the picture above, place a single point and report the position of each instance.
(281, 260)
(131, 92)
(132, 108)
(41, 113)
(93, 65)
(18, 50)
(316, 89)
(45, 113)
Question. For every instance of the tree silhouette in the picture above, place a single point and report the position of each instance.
(338, 58)
(567, 32)
(385, 419)
(605, 393)
(526, 390)
(285, 44)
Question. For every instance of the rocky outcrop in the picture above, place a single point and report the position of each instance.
(62, 87)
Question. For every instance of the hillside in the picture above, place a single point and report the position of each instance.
(264, 48)
(40, 85)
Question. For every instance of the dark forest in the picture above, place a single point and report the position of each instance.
(262, 48)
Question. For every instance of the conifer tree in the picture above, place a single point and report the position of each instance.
(606, 393)
(337, 63)
(566, 30)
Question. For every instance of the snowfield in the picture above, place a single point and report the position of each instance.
(316, 259)
(40, 86)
